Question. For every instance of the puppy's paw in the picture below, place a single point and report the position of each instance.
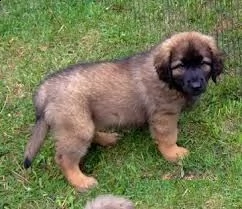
(106, 139)
(111, 139)
(84, 184)
(174, 153)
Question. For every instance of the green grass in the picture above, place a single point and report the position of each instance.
(38, 37)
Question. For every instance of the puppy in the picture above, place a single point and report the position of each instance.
(80, 102)
(109, 202)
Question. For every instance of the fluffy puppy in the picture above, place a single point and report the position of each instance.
(109, 202)
(80, 102)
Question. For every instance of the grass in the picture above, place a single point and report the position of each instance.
(38, 37)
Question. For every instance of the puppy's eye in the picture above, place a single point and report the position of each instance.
(206, 65)
(204, 62)
(180, 65)
(177, 72)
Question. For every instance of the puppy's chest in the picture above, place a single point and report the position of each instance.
(118, 114)
(190, 102)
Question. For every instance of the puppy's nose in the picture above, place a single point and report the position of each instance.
(196, 85)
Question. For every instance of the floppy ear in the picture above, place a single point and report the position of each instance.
(217, 64)
(217, 58)
(162, 66)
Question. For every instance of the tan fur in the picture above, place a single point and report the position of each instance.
(85, 99)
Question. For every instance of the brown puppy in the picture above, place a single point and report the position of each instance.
(153, 87)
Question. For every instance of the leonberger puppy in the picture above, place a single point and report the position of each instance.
(80, 102)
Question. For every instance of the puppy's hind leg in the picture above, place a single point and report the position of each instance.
(106, 139)
(72, 143)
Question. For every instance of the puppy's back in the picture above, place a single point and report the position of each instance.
(109, 202)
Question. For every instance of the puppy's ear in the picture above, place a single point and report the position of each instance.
(162, 65)
(217, 57)
(217, 64)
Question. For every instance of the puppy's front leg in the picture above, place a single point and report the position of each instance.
(164, 130)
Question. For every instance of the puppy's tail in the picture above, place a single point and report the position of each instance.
(109, 202)
(40, 128)
(39, 132)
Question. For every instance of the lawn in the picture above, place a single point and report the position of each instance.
(39, 37)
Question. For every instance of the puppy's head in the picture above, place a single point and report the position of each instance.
(187, 60)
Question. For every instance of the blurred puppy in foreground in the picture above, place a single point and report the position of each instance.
(109, 202)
